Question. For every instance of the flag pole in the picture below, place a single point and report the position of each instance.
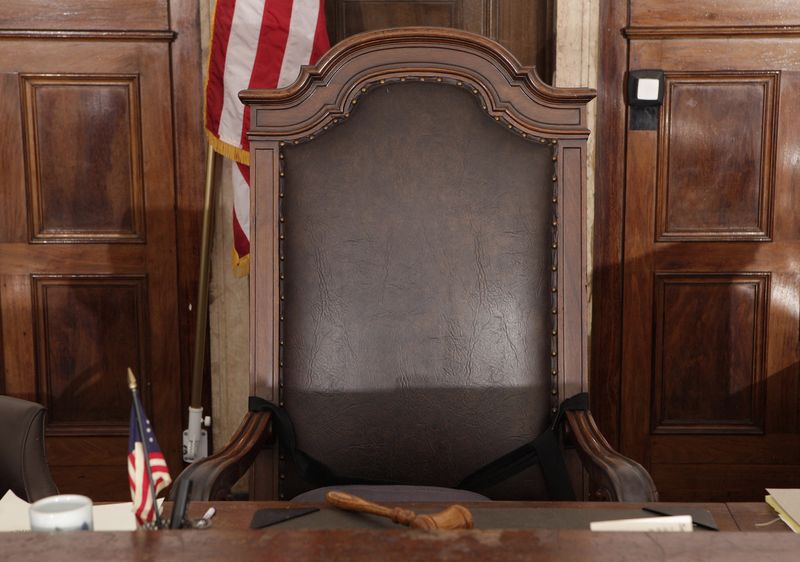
(138, 409)
(194, 432)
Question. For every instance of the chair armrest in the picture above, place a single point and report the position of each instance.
(213, 476)
(620, 478)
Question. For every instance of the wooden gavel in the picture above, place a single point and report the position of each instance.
(453, 517)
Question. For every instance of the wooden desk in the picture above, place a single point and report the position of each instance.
(231, 540)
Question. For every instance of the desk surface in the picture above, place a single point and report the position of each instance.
(230, 539)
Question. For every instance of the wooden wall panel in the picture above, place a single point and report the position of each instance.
(83, 14)
(713, 13)
(715, 156)
(94, 120)
(83, 149)
(525, 27)
(701, 364)
(356, 16)
(89, 330)
(709, 353)
(13, 211)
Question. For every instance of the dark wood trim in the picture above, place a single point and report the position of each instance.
(88, 35)
(706, 32)
(606, 337)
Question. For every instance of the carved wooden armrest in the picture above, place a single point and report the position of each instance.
(213, 476)
(619, 478)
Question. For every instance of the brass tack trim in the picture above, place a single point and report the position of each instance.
(554, 392)
(554, 290)
(280, 155)
(383, 81)
(283, 143)
(553, 353)
(363, 89)
(555, 178)
(354, 102)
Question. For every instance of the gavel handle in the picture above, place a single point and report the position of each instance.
(348, 502)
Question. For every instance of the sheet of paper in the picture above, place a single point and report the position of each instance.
(788, 500)
(669, 524)
(14, 513)
(107, 517)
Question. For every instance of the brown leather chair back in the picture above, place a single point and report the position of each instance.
(414, 269)
(23, 463)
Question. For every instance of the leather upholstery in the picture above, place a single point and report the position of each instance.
(23, 463)
(417, 291)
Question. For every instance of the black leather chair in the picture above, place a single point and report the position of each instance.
(417, 291)
(23, 462)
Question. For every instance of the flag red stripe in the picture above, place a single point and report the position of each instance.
(240, 241)
(269, 56)
(321, 42)
(215, 91)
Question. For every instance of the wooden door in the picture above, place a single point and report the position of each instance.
(89, 281)
(711, 306)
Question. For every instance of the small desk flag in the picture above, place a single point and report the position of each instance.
(143, 500)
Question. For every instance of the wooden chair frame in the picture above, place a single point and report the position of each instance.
(323, 97)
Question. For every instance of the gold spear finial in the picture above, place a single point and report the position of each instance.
(131, 379)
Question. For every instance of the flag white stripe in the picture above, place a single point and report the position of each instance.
(239, 61)
(241, 200)
(302, 28)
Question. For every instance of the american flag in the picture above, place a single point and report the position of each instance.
(141, 495)
(254, 44)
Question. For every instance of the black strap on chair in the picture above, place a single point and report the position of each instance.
(544, 450)
(313, 471)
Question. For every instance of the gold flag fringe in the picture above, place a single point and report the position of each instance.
(241, 264)
(228, 150)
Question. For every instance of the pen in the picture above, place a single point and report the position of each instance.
(210, 512)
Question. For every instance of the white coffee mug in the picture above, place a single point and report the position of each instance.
(66, 512)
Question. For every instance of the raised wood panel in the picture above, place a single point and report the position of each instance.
(710, 335)
(715, 156)
(714, 13)
(84, 14)
(83, 148)
(89, 330)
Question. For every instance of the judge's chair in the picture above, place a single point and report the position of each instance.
(417, 304)
(23, 461)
